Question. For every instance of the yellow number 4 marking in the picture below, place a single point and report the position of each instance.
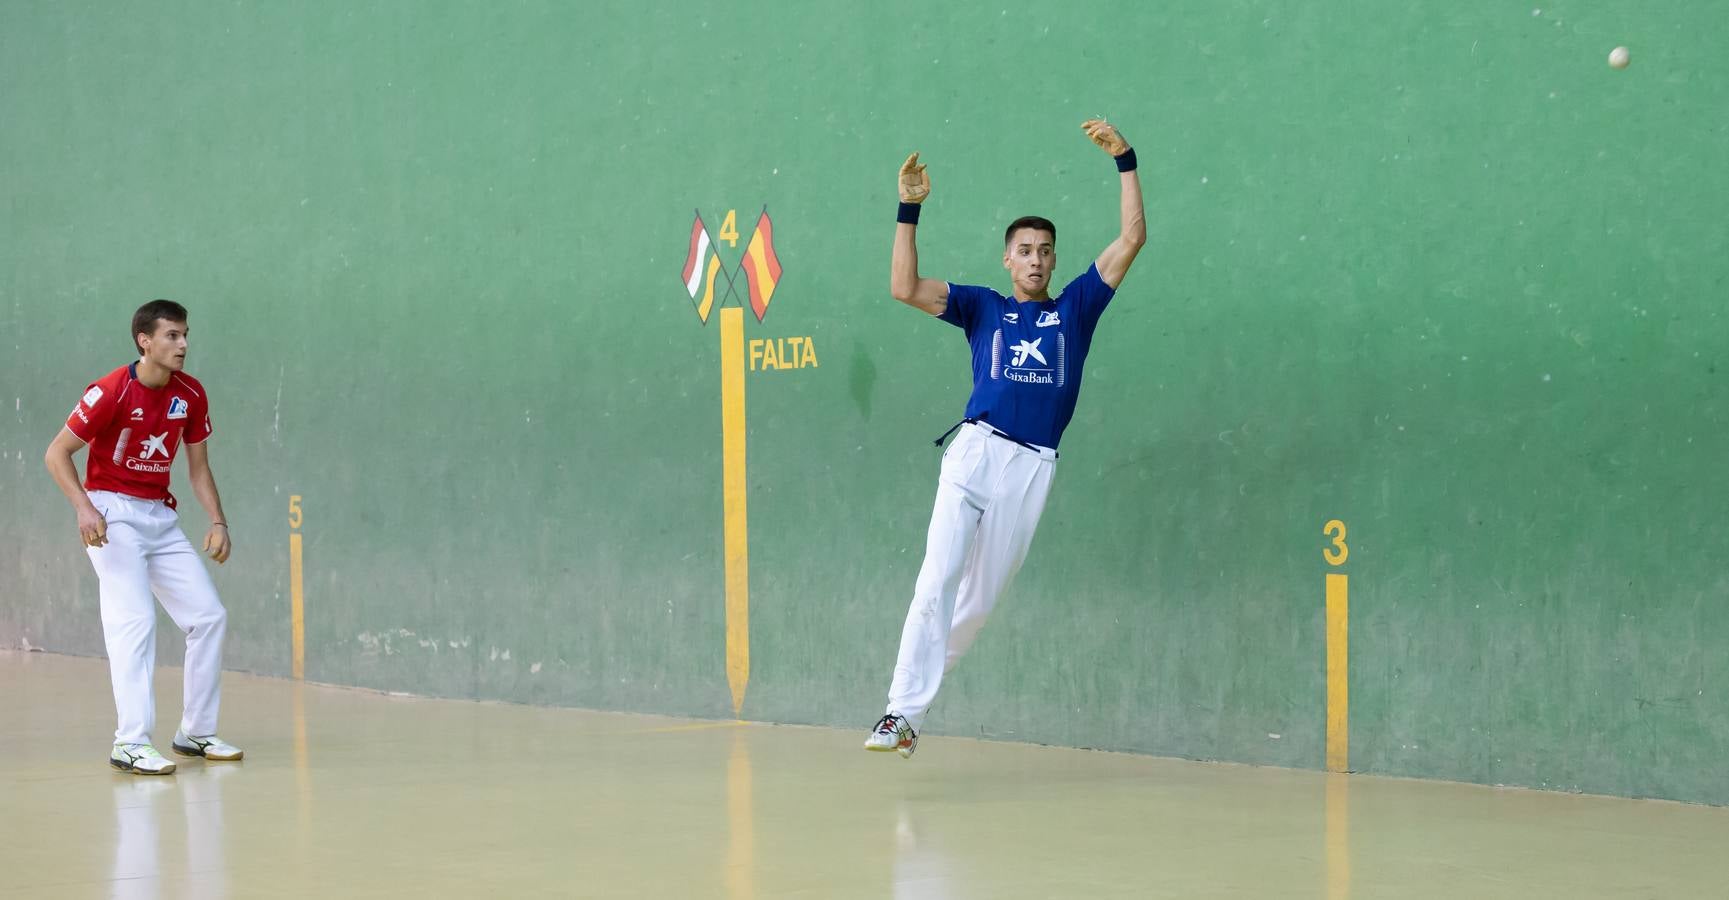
(1344, 552)
(729, 228)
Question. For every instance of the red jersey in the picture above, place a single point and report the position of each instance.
(134, 431)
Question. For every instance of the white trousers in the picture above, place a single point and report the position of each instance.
(147, 552)
(989, 499)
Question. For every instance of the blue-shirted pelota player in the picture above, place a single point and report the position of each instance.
(1028, 351)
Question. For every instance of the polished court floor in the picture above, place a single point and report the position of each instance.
(353, 794)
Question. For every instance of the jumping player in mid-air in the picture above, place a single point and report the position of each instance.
(1028, 350)
(134, 420)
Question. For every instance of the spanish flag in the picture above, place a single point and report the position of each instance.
(761, 267)
(700, 269)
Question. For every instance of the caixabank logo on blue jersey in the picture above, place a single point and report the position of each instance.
(1030, 360)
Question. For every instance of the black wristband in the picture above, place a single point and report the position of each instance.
(1126, 162)
(908, 214)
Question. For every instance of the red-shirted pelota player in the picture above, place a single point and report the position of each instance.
(135, 420)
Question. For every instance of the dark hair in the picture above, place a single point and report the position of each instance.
(145, 319)
(1039, 222)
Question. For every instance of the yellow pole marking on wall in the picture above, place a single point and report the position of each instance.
(1338, 837)
(733, 499)
(1338, 680)
(1338, 650)
(296, 590)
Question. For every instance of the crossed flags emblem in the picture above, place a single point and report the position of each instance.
(704, 272)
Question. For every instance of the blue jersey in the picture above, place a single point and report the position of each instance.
(1027, 357)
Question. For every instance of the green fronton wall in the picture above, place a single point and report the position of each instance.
(1432, 269)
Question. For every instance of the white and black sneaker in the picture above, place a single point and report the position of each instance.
(141, 759)
(208, 746)
(892, 732)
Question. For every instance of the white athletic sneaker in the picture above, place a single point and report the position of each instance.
(140, 758)
(893, 733)
(208, 746)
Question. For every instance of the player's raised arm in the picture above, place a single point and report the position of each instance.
(905, 285)
(1114, 262)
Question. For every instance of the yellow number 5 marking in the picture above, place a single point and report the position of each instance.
(1344, 552)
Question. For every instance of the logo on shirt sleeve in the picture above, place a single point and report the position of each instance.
(92, 395)
(177, 408)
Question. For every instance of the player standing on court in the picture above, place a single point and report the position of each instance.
(1027, 353)
(134, 420)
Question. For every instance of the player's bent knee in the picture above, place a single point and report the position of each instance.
(137, 627)
(212, 619)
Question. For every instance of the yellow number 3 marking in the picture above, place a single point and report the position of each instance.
(1336, 558)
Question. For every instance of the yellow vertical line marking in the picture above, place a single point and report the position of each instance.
(733, 498)
(297, 606)
(1338, 837)
(741, 823)
(300, 755)
(1338, 681)
(302, 767)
